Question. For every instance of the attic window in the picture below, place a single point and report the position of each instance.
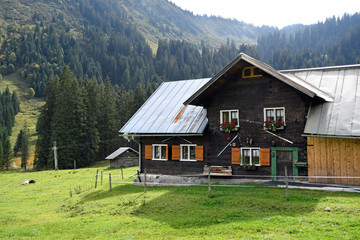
(249, 72)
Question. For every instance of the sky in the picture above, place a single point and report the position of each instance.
(277, 13)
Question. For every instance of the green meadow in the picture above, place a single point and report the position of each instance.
(64, 204)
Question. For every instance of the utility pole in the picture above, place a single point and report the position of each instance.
(55, 156)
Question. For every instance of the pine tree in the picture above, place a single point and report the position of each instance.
(6, 156)
(107, 121)
(68, 121)
(25, 146)
(43, 153)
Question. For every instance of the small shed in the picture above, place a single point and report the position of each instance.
(124, 156)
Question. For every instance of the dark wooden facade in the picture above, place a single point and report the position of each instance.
(250, 96)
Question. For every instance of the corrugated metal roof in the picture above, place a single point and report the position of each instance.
(340, 117)
(119, 152)
(165, 113)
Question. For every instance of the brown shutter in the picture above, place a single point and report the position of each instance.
(265, 156)
(175, 152)
(235, 155)
(167, 152)
(199, 153)
(148, 151)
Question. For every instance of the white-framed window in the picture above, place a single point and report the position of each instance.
(229, 116)
(187, 152)
(250, 156)
(159, 151)
(274, 114)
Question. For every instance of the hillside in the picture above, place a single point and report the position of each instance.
(156, 19)
(29, 110)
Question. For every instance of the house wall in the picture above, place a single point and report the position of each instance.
(333, 157)
(127, 159)
(250, 96)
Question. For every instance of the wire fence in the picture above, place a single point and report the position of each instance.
(209, 180)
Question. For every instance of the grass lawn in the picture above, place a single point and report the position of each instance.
(65, 205)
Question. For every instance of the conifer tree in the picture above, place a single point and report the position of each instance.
(25, 146)
(68, 121)
(43, 153)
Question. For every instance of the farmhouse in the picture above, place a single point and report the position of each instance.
(251, 119)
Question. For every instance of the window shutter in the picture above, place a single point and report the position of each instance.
(235, 155)
(167, 152)
(175, 152)
(199, 153)
(148, 151)
(265, 156)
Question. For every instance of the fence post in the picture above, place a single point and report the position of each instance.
(287, 185)
(209, 181)
(122, 174)
(145, 180)
(101, 177)
(97, 172)
(74, 165)
(110, 181)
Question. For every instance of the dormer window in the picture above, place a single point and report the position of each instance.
(249, 72)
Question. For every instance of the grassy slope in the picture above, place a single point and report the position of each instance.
(47, 210)
(29, 109)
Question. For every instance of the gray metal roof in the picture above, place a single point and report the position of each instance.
(340, 117)
(119, 152)
(164, 112)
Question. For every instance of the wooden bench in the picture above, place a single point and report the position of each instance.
(217, 170)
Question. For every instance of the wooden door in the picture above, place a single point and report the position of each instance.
(284, 159)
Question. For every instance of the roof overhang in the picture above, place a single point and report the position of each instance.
(300, 85)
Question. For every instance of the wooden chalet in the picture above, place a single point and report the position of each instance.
(250, 119)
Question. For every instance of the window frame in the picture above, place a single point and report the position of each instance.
(229, 111)
(274, 109)
(189, 155)
(153, 152)
(251, 156)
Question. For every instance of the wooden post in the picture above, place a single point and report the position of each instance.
(74, 165)
(110, 181)
(209, 181)
(101, 177)
(122, 174)
(287, 185)
(145, 180)
(97, 172)
(55, 156)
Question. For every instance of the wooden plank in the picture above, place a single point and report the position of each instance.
(350, 160)
(336, 160)
(323, 159)
(329, 159)
(317, 165)
(311, 158)
(343, 168)
(357, 161)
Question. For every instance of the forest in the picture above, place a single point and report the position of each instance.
(103, 68)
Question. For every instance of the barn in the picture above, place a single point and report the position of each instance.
(123, 157)
(251, 119)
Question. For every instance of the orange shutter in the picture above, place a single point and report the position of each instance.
(199, 153)
(167, 152)
(175, 152)
(235, 155)
(265, 156)
(148, 151)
